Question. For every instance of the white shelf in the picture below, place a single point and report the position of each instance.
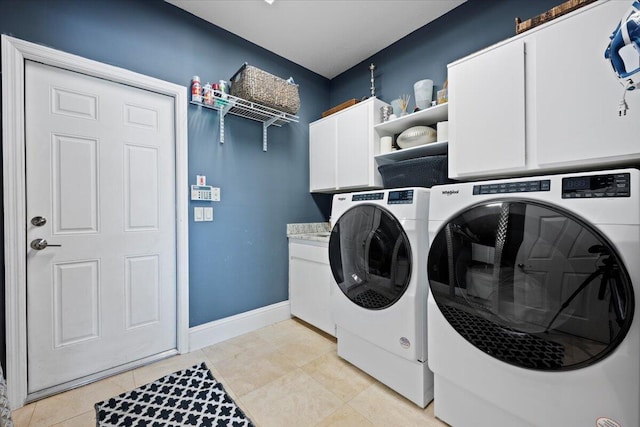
(425, 117)
(429, 116)
(432, 149)
(249, 110)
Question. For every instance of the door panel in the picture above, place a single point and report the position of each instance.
(75, 183)
(142, 291)
(75, 300)
(141, 188)
(74, 104)
(100, 164)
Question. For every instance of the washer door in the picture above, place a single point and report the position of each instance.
(531, 285)
(370, 256)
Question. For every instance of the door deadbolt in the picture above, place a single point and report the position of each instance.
(40, 244)
(38, 221)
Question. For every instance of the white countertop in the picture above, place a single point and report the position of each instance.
(314, 231)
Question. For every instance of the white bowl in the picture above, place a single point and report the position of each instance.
(416, 135)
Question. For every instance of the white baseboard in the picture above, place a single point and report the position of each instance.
(220, 330)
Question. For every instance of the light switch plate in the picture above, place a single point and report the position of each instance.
(198, 214)
(215, 194)
(208, 214)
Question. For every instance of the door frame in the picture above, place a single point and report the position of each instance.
(14, 54)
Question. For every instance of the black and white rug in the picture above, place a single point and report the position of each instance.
(191, 397)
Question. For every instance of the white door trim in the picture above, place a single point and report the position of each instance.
(14, 53)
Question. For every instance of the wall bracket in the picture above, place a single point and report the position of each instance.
(228, 104)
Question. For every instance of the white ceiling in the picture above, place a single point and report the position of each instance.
(325, 36)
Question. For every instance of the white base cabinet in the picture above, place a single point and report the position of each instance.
(342, 148)
(311, 283)
(546, 100)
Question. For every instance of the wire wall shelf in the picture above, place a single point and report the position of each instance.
(228, 104)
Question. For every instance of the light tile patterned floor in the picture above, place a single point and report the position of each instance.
(287, 374)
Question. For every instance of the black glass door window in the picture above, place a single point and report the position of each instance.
(531, 285)
(370, 257)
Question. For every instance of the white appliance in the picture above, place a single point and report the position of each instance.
(533, 287)
(377, 252)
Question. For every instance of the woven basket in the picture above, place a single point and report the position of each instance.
(256, 85)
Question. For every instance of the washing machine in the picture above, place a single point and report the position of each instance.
(534, 284)
(377, 252)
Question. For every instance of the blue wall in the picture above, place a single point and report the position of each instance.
(239, 261)
(425, 53)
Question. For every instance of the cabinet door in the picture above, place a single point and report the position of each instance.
(353, 148)
(578, 93)
(322, 155)
(310, 283)
(487, 112)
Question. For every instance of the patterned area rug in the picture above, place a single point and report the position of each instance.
(191, 397)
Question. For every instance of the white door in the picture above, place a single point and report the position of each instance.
(552, 262)
(100, 170)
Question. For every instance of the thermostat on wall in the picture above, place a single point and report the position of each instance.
(202, 192)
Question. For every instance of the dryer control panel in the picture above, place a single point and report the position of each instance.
(512, 187)
(591, 186)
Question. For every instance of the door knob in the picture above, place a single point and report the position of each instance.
(40, 244)
(38, 221)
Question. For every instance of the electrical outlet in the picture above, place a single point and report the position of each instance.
(215, 194)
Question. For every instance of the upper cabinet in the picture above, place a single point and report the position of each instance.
(487, 112)
(577, 109)
(322, 155)
(542, 101)
(342, 147)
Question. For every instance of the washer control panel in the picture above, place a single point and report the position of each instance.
(592, 186)
(512, 187)
(400, 197)
(367, 196)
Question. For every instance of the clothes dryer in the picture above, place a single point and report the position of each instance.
(534, 283)
(377, 251)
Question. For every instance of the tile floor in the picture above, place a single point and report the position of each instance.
(287, 374)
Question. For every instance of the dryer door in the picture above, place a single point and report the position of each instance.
(370, 256)
(531, 285)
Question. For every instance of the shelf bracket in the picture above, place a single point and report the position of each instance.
(221, 128)
(249, 110)
(265, 125)
(223, 112)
